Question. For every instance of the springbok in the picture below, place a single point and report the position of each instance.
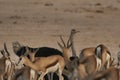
(70, 63)
(74, 66)
(84, 67)
(102, 52)
(97, 59)
(7, 66)
(24, 72)
(45, 65)
(40, 52)
(71, 59)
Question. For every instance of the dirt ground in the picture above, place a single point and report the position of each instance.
(39, 23)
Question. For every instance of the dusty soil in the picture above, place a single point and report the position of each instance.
(38, 23)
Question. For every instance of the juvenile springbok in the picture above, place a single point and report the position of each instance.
(7, 66)
(45, 65)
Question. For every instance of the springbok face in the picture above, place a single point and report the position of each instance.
(22, 58)
(30, 54)
(65, 48)
(70, 44)
(16, 46)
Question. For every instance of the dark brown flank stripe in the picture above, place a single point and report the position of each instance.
(52, 64)
(108, 52)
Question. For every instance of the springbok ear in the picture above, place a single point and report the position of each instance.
(98, 51)
(16, 46)
(5, 47)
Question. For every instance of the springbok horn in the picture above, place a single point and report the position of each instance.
(62, 41)
(5, 47)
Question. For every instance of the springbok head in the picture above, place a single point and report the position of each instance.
(29, 54)
(68, 45)
(65, 48)
(16, 46)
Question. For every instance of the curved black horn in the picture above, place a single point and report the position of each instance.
(62, 41)
(5, 47)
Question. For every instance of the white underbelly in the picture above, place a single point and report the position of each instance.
(53, 68)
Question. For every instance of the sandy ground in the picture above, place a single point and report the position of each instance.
(38, 23)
